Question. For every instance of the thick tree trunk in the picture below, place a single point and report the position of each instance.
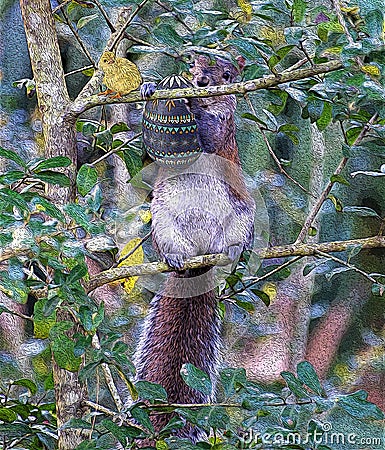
(60, 139)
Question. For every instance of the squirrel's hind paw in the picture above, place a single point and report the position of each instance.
(147, 89)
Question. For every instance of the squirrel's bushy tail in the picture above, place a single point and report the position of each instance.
(177, 331)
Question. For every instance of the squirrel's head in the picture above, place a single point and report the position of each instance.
(212, 72)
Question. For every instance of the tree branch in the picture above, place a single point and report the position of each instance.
(83, 103)
(300, 249)
(318, 204)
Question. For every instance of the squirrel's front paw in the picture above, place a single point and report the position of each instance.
(147, 89)
(174, 260)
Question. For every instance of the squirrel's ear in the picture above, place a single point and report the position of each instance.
(241, 62)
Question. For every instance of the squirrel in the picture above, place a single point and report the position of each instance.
(183, 325)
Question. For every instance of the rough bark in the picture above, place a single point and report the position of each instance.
(60, 139)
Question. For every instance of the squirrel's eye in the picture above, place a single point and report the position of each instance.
(226, 76)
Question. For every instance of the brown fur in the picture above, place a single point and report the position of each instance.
(194, 213)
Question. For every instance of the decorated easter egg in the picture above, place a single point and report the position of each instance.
(170, 134)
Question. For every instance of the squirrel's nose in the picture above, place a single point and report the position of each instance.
(203, 81)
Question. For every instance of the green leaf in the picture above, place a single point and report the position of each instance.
(262, 295)
(83, 21)
(51, 177)
(88, 127)
(232, 380)
(142, 417)
(293, 34)
(247, 306)
(104, 138)
(352, 135)
(356, 405)
(299, 10)
(7, 415)
(361, 211)
(77, 423)
(86, 445)
(133, 162)
(86, 179)
(76, 274)
(308, 376)
(378, 289)
(11, 176)
(312, 231)
(29, 384)
(339, 179)
(294, 385)
(151, 391)
(336, 202)
(196, 378)
(41, 322)
(9, 154)
(326, 116)
(52, 163)
(174, 425)
(167, 35)
(79, 215)
(85, 317)
(122, 433)
(43, 205)
(16, 289)
(288, 127)
(213, 417)
(119, 127)
(374, 22)
(12, 198)
(254, 118)
(63, 350)
(279, 55)
(98, 317)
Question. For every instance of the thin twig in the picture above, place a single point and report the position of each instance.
(100, 408)
(120, 33)
(271, 151)
(108, 377)
(297, 65)
(256, 280)
(133, 250)
(176, 15)
(113, 29)
(79, 39)
(318, 204)
(61, 6)
(14, 313)
(342, 22)
(115, 150)
(346, 264)
(78, 70)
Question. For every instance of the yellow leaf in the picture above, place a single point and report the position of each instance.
(246, 8)
(270, 289)
(136, 258)
(145, 215)
(371, 70)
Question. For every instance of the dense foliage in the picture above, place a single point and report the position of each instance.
(44, 256)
